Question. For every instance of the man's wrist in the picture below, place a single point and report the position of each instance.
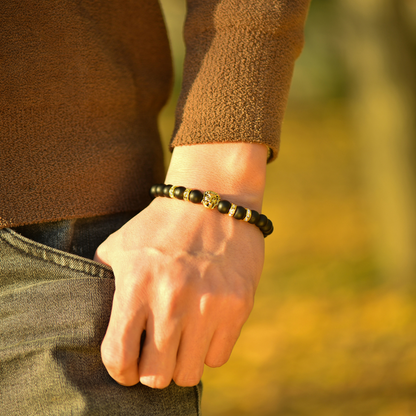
(236, 171)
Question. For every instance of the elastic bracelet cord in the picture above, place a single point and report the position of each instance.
(212, 200)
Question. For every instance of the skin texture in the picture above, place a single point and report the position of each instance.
(184, 274)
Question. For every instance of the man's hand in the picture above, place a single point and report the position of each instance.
(185, 275)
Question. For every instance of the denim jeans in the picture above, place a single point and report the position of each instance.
(55, 305)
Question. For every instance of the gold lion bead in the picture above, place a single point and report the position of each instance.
(211, 199)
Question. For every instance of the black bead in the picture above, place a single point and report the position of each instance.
(266, 233)
(153, 191)
(267, 227)
(240, 213)
(166, 190)
(178, 192)
(254, 217)
(224, 206)
(159, 189)
(262, 221)
(195, 196)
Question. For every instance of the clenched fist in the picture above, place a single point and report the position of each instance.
(184, 274)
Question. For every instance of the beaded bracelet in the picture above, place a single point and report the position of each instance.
(212, 200)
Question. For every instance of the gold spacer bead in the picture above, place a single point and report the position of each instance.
(171, 191)
(248, 215)
(186, 194)
(231, 212)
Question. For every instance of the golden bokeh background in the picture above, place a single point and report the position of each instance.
(333, 331)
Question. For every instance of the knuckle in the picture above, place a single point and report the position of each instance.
(156, 382)
(206, 302)
(173, 305)
(215, 362)
(172, 293)
(241, 302)
(114, 361)
(159, 383)
(187, 380)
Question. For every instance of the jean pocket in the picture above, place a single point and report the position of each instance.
(45, 292)
(16, 250)
(54, 311)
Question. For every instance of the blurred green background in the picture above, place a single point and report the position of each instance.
(333, 331)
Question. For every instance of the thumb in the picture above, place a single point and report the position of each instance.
(101, 254)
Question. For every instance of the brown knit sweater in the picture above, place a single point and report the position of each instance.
(82, 83)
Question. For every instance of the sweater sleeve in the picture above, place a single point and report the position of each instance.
(238, 66)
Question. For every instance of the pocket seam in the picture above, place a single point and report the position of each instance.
(52, 255)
